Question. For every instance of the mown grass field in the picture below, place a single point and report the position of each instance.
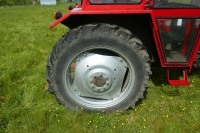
(27, 107)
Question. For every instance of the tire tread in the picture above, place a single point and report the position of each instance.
(88, 30)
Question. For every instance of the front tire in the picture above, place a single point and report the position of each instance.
(98, 67)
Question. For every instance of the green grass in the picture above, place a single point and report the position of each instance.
(181, 1)
(26, 106)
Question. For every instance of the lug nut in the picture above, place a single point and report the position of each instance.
(91, 80)
(106, 77)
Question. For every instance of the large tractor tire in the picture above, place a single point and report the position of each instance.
(98, 67)
(197, 60)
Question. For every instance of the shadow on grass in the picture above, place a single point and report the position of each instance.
(159, 78)
(195, 72)
(170, 91)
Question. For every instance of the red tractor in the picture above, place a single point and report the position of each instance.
(104, 62)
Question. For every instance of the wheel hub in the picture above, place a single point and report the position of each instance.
(100, 81)
(99, 76)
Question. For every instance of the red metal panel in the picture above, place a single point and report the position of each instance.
(101, 10)
(189, 12)
(87, 8)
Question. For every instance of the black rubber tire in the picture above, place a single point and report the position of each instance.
(98, 36)
(197, 60)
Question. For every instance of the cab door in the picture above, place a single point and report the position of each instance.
(176, 26)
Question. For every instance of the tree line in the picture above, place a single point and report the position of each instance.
(22, 2)
(16, 2)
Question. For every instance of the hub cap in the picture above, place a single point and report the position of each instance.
(98, 80)
(99, 76)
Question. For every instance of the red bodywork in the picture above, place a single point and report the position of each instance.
(157, 15)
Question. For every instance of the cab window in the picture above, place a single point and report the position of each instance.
(115, 1)
(176, 3)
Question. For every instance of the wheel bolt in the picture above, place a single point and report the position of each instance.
(100, 75)
(106, 77)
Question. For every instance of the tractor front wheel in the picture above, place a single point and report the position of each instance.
(98, 67)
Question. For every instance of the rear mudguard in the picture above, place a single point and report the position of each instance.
(67, 21)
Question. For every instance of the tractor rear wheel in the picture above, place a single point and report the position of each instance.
(98, 67)
(197, 60)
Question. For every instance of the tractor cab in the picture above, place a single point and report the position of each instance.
(178, 30)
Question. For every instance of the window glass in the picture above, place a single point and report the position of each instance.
(114, 1)
(178, 37)
(177, 3)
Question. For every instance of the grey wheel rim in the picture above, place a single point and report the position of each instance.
(99, 81)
